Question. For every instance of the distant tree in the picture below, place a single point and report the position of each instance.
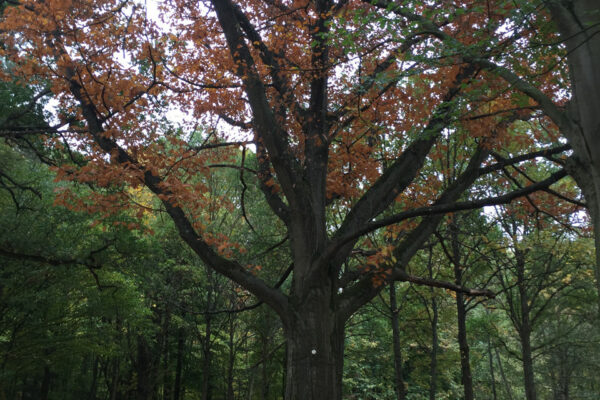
(535, 274)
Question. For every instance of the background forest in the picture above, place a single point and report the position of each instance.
(104, 301)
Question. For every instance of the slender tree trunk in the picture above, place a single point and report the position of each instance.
(284, 368)
(503, 375)
(434, 335)
(491, 363)
(564, 375)
(264, 392)
(465, 367)
(114, 388)
(561, 380)
(231, 359)
(251, 383)
(144, 370)
(398, 376)
(434, 349)
(45, 387)
(94, 384)
(461, 313)
(207, 360)
(206, 344)
(27, 390)
(525, 328)
(315, 354)
(179, 366)
(166, 377)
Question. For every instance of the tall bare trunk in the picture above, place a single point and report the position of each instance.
(94, 384)
(465, 367)
(525, 329)
(461, 314)
(507, 386)
(491, 364)
(45, 387)
(433, 370)
(144, 370)
(116, 377)
(434, 337)
(528, 375)
(231, 358)
(398, 376)
(264, 389)
(177, 389)
(207, 360)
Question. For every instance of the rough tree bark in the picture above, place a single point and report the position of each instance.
(315, 350)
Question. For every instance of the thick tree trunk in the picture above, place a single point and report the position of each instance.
(315, 354)
(582, 173)
(398, 376)
(579, 24)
